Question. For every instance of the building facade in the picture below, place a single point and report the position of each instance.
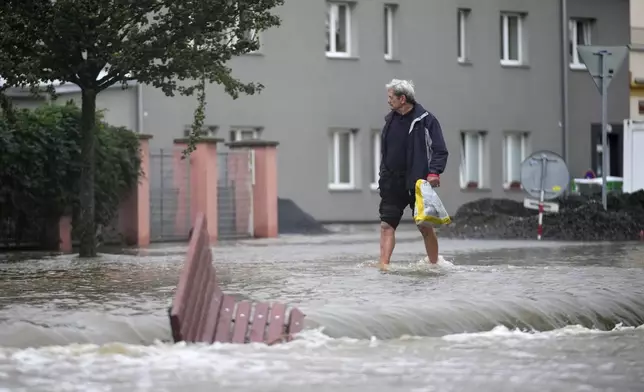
(491, 71)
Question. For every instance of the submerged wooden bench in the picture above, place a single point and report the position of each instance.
(201, 312)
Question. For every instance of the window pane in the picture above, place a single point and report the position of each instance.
(571, 39)
(328, 28)
(386, 30)
(247, 135)
(581, 40)
(502, 30)
(341, 29)
(513, 37)
(345, 168)
(514, 145)
(458, 33)
(332, 159)
(472, 157)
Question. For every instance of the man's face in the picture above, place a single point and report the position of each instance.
(395, 102)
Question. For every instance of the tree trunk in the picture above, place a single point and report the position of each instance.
(87, 221)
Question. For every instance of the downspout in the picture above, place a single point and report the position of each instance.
(564, 81)
(139, 107)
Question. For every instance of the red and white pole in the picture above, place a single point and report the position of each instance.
(540, 227)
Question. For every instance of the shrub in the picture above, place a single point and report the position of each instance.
(40, 170)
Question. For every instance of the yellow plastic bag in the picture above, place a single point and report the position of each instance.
(428, 207)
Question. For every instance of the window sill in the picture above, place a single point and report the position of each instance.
(507, 188)
(342, 188)
(512, 64)
(374, 187)
(577, 67)
(392, 59)
(341, 56)
(258, 53)
(464, 62)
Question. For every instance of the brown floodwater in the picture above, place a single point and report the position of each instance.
(495, 316)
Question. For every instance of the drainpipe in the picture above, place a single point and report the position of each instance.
(139, 107)
(564, 80)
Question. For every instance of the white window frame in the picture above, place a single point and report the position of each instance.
(376, 140)
(573, 26)
(508, 170)
(230, 37)
(505, 40)
(334, 8)
(255, 35)
(461, 25)
(464, 167)
(390, 12)
(206, 130)
(335, 184)
(238, 132)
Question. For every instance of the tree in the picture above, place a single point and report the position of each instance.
(177, 46)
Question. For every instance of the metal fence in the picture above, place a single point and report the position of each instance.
(169, 196)
(235, 193)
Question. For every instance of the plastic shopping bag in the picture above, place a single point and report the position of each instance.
(428, 207)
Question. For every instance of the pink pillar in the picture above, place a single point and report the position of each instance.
(265, 188)
(203, 182)
(134, 214)
(65, 234)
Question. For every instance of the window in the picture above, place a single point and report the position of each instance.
(231, 36)
(252, 35)
(515, 150)
(579, 34)
(472, 159)
(511, 39)
(239, 134)
(206, 130)
(338, 30)
(461, 22)
(375, 158)
(389, 31)
(342, 159)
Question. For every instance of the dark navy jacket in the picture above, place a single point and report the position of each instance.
(426, 149)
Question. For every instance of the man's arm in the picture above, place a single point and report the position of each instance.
(437, 150)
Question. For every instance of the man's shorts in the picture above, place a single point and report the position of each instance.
(394, 198)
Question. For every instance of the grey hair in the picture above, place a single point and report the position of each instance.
(403, 87)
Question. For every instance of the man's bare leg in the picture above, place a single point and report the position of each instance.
(387, 243)
(431, 243)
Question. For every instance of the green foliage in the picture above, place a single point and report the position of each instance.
(173, 45)
(39, 165)
(176, 46)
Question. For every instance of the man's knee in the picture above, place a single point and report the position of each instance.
(427, 231)
(389, 224)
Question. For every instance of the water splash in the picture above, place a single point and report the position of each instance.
(420, 267)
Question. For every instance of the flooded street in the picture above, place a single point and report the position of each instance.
(506, 316)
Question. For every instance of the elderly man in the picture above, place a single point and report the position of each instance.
(412, 148)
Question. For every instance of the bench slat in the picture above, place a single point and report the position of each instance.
(260, 318)
(222, 334)
(277, 323)
(242, 315)
(295, 323)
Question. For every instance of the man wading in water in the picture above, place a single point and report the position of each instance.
(413, 148)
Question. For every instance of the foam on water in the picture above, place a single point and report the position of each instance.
(421, 266)
(319, 362)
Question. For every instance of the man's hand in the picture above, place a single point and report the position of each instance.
(434, 180)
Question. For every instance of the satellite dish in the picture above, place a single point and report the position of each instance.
(547, 171)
